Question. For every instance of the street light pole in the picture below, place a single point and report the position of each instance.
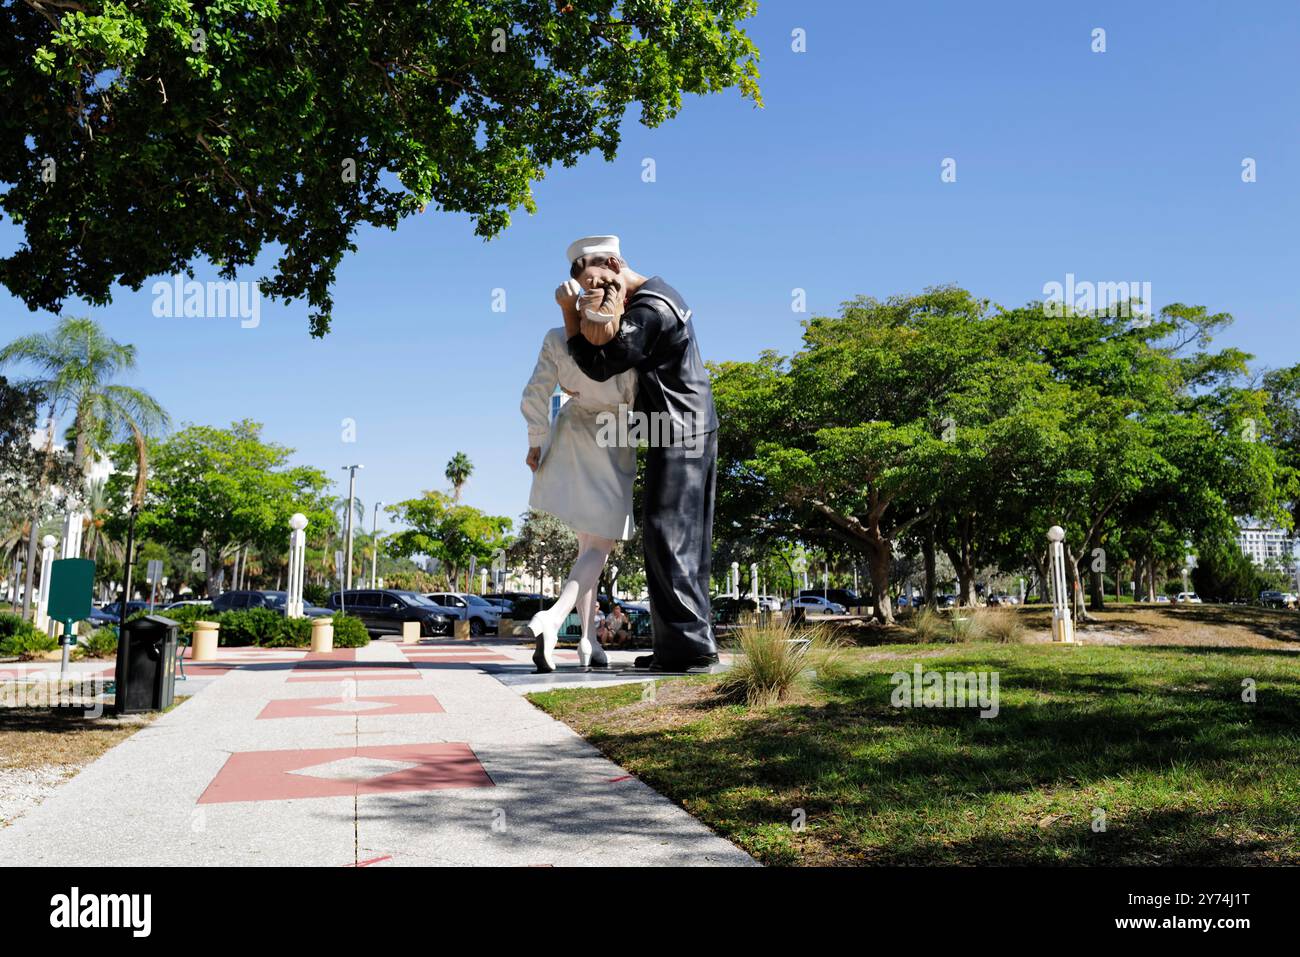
(352, 489)
(374, 548)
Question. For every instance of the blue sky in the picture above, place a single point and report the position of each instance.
(1115, 166)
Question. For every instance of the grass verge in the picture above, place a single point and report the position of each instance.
(1140, 755)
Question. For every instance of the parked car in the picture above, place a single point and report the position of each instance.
(815, 604)
(945, 601)
(505, 604)
(1188, 598)
(482, 615)
(844, 597)
(523, 604)
(1003, 600)
(245, 598)
(114, 609)
(185, 603)
(769, 603)
(384, 610)
(727, 610)
(99, 617)
(1162, 598)
(1277, 599)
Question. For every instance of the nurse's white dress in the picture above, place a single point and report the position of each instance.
(587, 487)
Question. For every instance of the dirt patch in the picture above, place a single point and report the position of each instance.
(40, 748)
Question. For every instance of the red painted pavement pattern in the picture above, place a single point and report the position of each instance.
(338, 654)
(334, 707)
(351, 666)
(269, 775)
(408, 674)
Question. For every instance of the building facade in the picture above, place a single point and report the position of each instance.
(1266, 544)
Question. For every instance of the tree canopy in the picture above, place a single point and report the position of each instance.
(137, 139)
(440, 527)
(937, 418)
(212, 489)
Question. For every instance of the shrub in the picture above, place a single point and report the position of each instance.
(251, 626)
(25, 642)
(349, 632)
(269, 629)
(100, 643)
(1001, 624)
(12, 625)
(317, 594)
(930, 626)
(967, 625)
(184, 616)
(287, 633)
(771, 661)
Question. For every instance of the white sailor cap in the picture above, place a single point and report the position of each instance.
(589, 245)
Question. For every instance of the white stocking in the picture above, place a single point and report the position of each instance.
(586, 609)
(583, 577)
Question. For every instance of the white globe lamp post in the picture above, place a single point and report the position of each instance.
(297, 564)
(1062, 626)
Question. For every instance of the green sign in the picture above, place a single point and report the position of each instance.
(72, 582)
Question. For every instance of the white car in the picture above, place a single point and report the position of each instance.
(769, 603)
(814, 604)
(483, 616)
(1188, 598)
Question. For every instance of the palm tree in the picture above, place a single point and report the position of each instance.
(98, 513)
(458, 472)
(77, 363)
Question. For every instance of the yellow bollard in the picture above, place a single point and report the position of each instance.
(203, 646)
(410, 632)
(461, 629)
(322, 635)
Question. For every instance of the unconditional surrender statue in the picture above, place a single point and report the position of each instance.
(619, 323)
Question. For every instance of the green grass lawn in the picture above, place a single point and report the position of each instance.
(1158, 738)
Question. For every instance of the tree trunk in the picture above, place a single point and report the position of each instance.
(964, 566)
(31, 561)
(927, 555)
(878, 561)
(215, 574)
(1042, 566)
(1072, 583)
(1096, 592)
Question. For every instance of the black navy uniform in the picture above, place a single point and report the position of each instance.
(657, 338)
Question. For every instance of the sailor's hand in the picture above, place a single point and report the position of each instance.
(599, 333)
(567, 294)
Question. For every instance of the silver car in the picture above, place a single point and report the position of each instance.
(815, 604)
(482, 615)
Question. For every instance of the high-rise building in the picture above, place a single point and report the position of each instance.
(1265, 544)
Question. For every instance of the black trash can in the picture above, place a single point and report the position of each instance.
(146, 665)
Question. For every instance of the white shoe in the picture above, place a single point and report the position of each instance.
(547, 635)
(591, 655)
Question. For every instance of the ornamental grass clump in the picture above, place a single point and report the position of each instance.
(772, 660)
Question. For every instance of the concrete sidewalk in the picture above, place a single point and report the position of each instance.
(387, 755)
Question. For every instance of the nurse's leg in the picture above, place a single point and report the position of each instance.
(545, 625)
(589, 650)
